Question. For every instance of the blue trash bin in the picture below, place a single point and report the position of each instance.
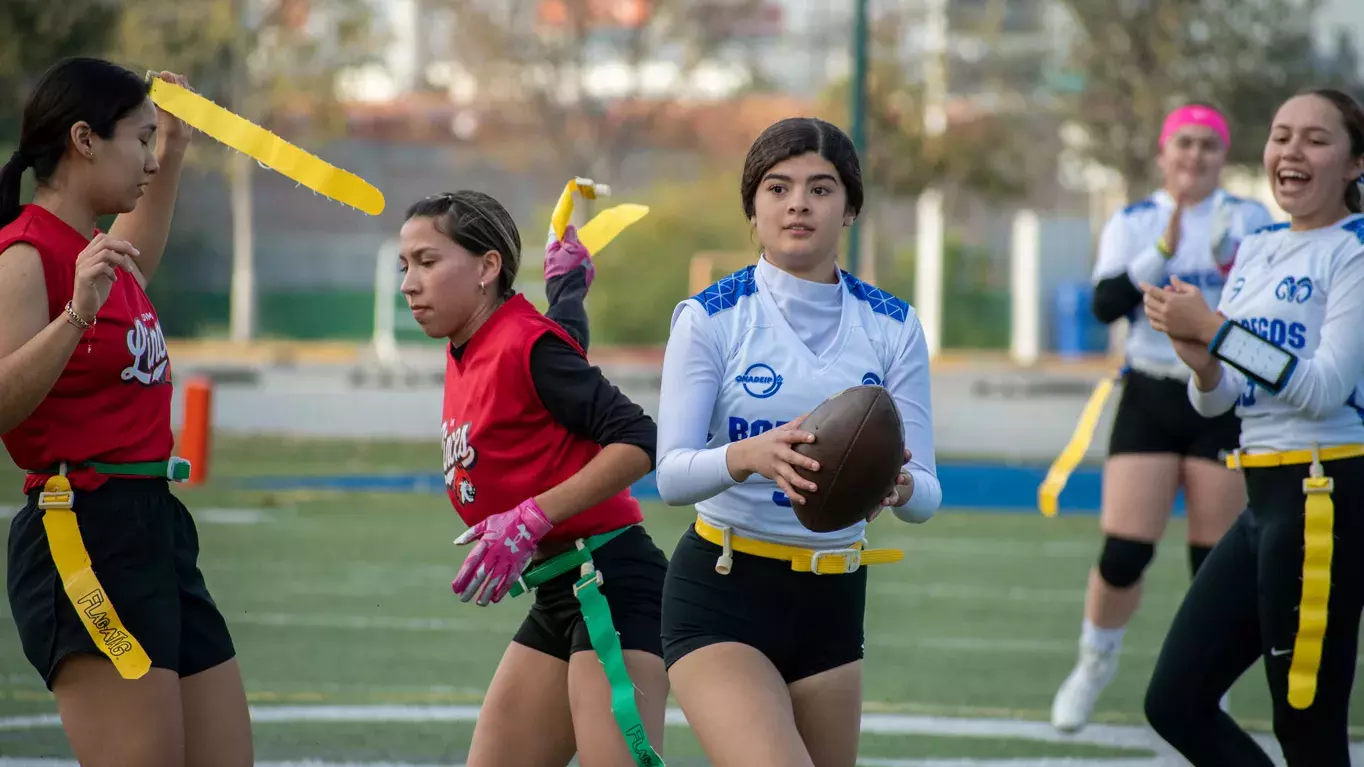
(1076, 332)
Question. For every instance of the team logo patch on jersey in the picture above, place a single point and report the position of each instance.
(147, 345)
(871, 379)
(458, 458)
(760, 380)
(1294, 290)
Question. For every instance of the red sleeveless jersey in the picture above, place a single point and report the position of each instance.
(501, 446)
(112, 402)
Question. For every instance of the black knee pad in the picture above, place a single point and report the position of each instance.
(1123, 561)
(1197, 554)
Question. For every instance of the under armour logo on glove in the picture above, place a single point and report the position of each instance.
(521, 532)
(563, 256)
(499, 556)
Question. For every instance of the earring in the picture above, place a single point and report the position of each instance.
(482, 288)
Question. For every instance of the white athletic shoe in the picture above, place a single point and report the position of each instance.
(1074, 702)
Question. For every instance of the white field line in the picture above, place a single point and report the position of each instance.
(1112, 736)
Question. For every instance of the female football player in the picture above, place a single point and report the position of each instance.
(540, 451)
(1286, 584)
(762, 618)
(104, 582)
(1189, 230)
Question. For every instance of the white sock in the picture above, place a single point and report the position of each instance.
(1103, 640)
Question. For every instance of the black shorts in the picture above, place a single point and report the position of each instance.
(1155, 416)
(144, 549)
(632, 569)
(804, 623)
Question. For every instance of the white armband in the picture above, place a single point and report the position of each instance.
(1263, 361)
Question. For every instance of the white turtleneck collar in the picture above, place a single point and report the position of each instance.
(812, 309)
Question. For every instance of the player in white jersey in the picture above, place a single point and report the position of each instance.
(764, 655)
(1286, 584)
(1189, 230)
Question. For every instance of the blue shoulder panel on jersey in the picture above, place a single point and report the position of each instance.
(1271, 227)
(725, 293)
(881, 302)
(1146, 204)
(1356, 226)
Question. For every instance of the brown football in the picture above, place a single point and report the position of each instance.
(859, 444)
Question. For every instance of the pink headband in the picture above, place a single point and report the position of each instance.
(1196, 115)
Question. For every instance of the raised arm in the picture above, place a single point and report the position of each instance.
(566, 293)
(147, 227)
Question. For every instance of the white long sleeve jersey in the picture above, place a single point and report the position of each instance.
(760, 348)
(1304, 292)
(1210, 234)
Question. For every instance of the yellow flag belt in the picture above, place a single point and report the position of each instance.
(266, 148)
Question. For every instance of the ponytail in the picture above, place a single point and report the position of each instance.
(11, 186)
(96, 92)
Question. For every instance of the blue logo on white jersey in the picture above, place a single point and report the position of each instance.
(742, 428)
(760, 380)
(1294, 291)
(1236, 287)
(1276, 331)
(871, 379)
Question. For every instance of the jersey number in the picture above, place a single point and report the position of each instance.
(1247, 398)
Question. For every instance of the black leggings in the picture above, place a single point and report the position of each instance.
(1243, 605)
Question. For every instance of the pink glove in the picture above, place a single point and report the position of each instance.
(505, 544)
(562, 256)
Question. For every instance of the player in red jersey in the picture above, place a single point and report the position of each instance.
(137, 654)
(539, 454)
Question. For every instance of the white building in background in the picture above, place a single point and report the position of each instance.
(421, 53)
(805, 45)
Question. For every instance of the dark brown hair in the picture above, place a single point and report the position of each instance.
(793, 137)
(74, 90)
(1352, 115)
(478, 223)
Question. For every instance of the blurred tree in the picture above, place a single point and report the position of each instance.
(644, 273)
(1139, 59)
(537, 56)
(37, 33)
(981, 153)
(295, 48)
(273, 61)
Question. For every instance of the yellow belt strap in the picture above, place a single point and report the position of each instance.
(830, 561)
(1239, 460)
(1318, 545)
(1319, 514)
(1049, 492)
(89, 598)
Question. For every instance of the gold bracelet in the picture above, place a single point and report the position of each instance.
(76, 319)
